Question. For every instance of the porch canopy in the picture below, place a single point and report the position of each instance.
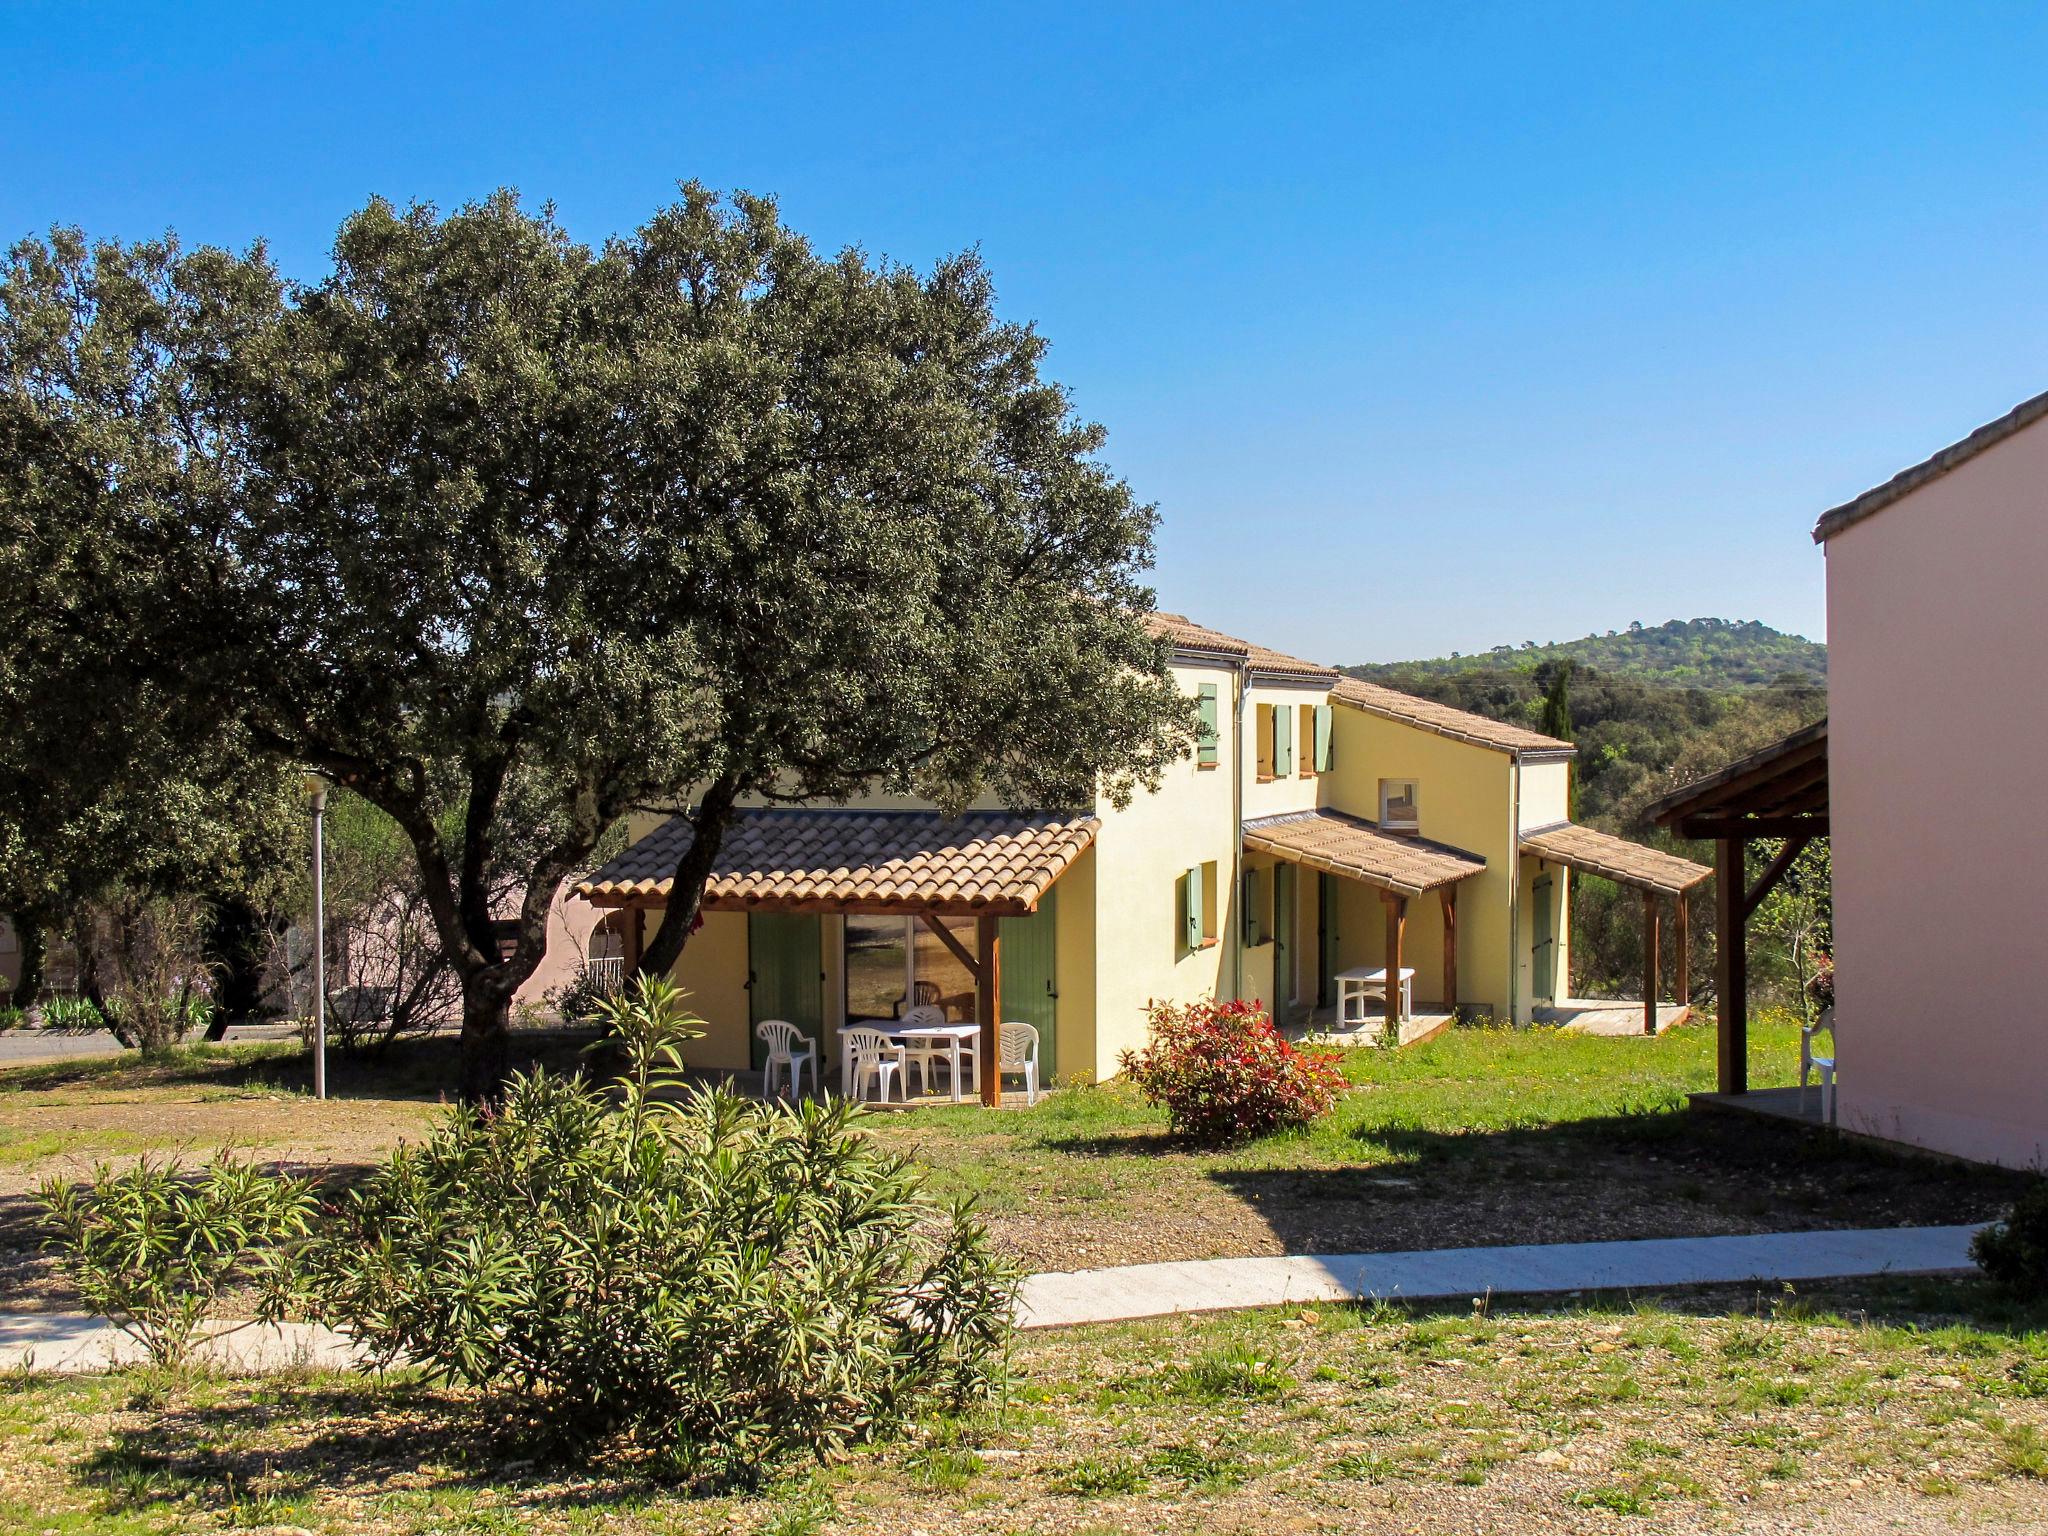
(1398, 864)
(1650, 871)
(1781, 791)
(980, 864)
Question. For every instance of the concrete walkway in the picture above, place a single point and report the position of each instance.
(69, 1341)
(1213, 1285)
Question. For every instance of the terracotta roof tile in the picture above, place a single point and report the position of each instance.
(1355, 847)
(1616, 858)
(828, 860)
(1458, 724)
(1183, 631)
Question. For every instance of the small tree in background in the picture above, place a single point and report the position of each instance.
(509, 535)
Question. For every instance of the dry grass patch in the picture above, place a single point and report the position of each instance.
(1917, 1405)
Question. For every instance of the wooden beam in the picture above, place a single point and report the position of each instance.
(1681, 938)
(1723, 798)
(1449, 896)
(635, 938)
(1650, 967)
(1397, 931)
(1773, 873)
(1731, 967)
(1713, 829)
(960, 952)
(988, 1007)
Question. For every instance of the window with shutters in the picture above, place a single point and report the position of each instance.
(1315, 740)
(1266, 713)
(1195, 902)
(1208, 739)
(1254, 912)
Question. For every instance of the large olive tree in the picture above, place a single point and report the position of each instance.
(510, 535)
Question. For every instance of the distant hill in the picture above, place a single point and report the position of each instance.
(1710, 654)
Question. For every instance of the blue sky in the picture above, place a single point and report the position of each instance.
(1428, 327)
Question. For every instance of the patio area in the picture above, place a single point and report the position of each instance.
(1609, 1016)
(1802, 1106)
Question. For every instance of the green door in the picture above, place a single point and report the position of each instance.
(785, 979)
(1544, 942)
(1031, 979)
(1326, 940)
(1283, 942)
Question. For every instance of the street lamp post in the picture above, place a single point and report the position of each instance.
(317, 788)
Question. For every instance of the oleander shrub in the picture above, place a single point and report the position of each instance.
(153, 1248)
(1224, 1074)
(2013, 1253)
(666, 1269)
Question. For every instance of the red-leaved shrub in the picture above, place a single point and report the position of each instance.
(1222, 1072)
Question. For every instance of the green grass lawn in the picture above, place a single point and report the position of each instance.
(1477, 1136)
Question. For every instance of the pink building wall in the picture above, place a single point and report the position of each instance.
(1938, 738)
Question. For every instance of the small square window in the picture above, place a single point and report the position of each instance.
(1398, 808)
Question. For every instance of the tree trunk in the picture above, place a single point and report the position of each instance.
(234, 947)
(486, 1037)
(32, 943)
(686, 886)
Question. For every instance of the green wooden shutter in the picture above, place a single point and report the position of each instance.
(1031, 977)
(785, 974)
(1205, 749)
(1283, 740)
(1323, 720)
(1250, 897)
(1191, 908)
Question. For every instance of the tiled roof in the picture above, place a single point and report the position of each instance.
(1443, 720)
(833, 860)
(1183, 631)
(1355, 847)
(1616, 858)
(1906, 481)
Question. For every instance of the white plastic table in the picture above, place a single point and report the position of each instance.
(1355, 988)
(952, 1037)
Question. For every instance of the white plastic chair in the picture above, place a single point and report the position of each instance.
(790, 1050)
(872, 1056)
(922, 1054)
(1019, 1047)
(1824, 1065)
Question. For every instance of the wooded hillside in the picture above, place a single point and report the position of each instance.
(1697, 653)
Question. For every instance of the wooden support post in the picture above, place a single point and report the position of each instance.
(1650, 966)
(1397, 928)
(1731, 965)
(635, 944)
(988, 1007)
(1681, 936)
(1449, 896)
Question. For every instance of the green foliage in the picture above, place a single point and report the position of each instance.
(153, 1247)
(724, 1283)
(439, 522)
(1223, 1074)
(66, 1012)
(1711, 654)
(2014, 1252)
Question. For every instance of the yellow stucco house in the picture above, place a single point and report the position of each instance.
(1323, 826)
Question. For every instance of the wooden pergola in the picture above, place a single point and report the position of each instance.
(1653, 874)
(1400, 866)
(982, 865)
(1780, 792)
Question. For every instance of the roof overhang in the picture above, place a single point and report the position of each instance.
(979, 864)
(1360, 850)
(1907, 481)
(1781, 791)
(1614, 858)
